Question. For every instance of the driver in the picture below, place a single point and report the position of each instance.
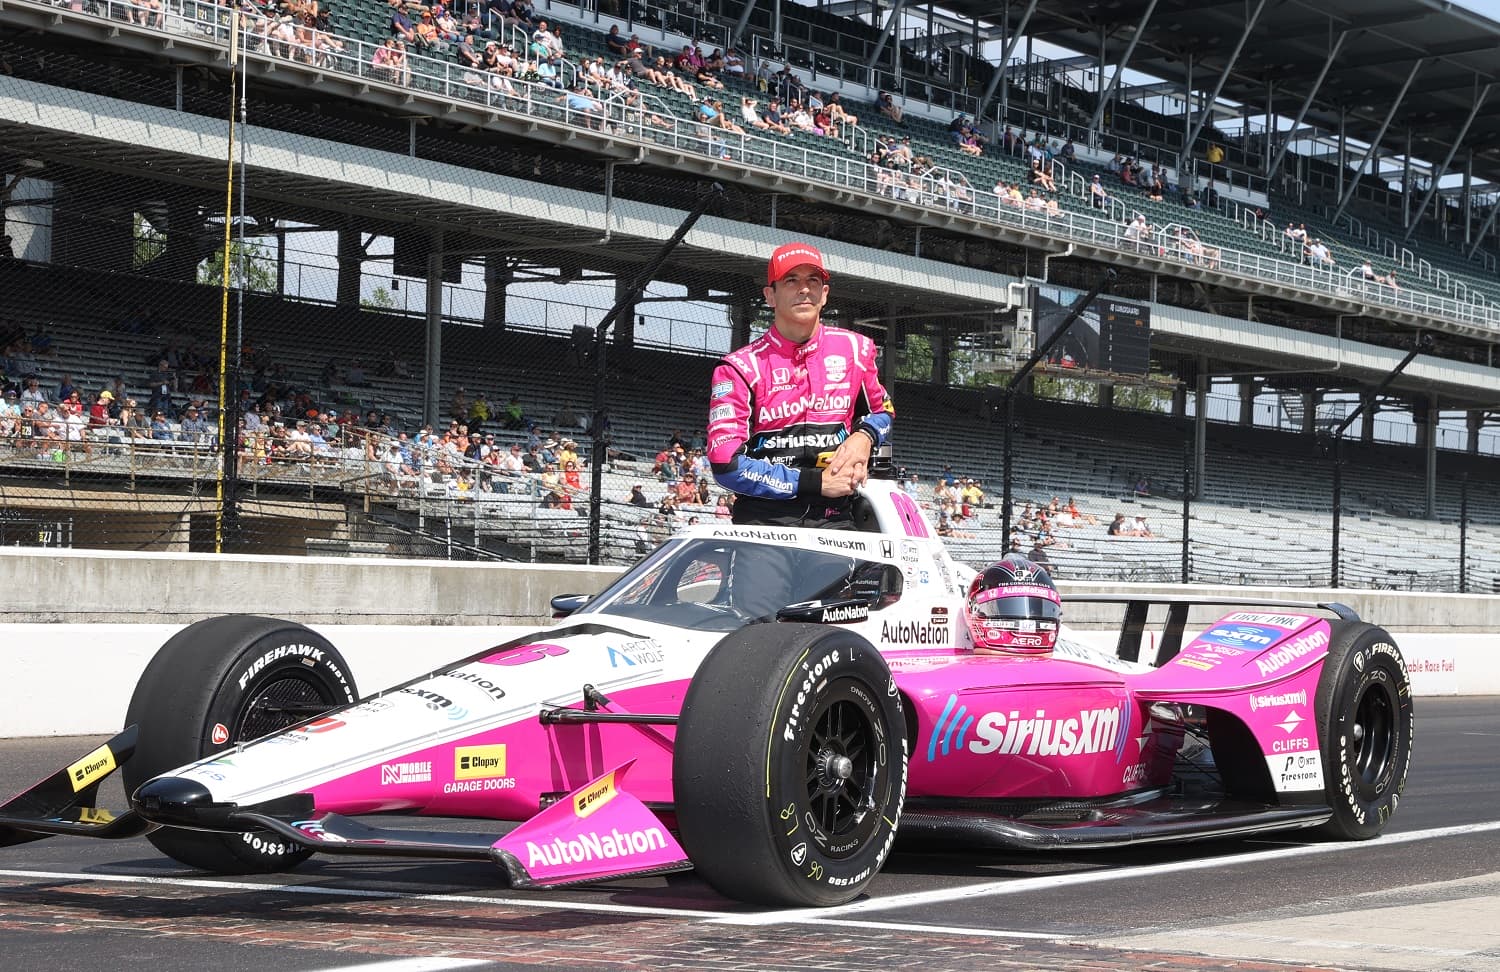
(1014, 608)
(794, 415)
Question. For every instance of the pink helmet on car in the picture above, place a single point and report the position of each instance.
(1014, 608)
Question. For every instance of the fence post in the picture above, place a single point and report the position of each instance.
(1463, 534)
(1338, 504)
(1187, 509)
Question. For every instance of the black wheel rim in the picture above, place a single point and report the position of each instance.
(282, 701)
(843, 772)
(1374, 735)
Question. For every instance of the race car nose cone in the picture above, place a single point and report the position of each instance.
(173, 800)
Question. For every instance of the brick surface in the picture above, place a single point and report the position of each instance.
(576, 940)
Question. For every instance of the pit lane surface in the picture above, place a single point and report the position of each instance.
(1424, 897)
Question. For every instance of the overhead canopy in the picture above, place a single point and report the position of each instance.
(1288, 47)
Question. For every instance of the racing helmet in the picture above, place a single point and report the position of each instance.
(1014, 608)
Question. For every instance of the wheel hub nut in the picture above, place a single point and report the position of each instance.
(836, 768)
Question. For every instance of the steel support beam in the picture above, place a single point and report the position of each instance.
(1442, 169)
(885, 35)
(1312, 93)
(1406, 183)
(1213, 99)
(1004, 66)
(1114, 82)
(740, 24)
(1468, 198)
(1375, 143)
(1489, 222)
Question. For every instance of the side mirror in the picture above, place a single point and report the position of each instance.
(565, 604)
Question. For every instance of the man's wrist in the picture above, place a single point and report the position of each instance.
(873, 436)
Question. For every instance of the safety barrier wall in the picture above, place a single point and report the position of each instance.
(77, 627)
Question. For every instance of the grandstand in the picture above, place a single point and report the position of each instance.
(403, 229)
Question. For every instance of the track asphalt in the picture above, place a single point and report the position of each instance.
(1426, 896)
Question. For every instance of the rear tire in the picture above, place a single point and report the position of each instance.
(1365, 725)
(789, 768)
(219, 682)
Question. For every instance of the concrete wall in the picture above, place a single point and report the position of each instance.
(77, 627)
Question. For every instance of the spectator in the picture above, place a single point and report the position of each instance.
(837, 111)
(388, 63)
(1296, 240)
(1041, 175)
(511, 460)
(638, 496)
(99, 412)
(585, 110)
(1068, 153)
(429, 40)
(401, 25)
(887, 106)
(774, 120)
(1098, 198)
(161, 429)
(615, 43)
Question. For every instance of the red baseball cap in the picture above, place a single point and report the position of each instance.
(787, 258)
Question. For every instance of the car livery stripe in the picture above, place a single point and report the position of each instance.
(937, 730)
(1124, 731)
(962, 710)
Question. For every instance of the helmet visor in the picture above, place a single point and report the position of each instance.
(1018, 607)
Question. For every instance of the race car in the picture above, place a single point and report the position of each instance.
(769, 706)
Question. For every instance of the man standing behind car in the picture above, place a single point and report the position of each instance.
(794, 415)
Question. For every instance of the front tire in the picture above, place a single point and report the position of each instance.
(216, 683)
(789, 768)
(1365, 724)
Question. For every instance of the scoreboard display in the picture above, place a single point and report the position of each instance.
(1111, 334)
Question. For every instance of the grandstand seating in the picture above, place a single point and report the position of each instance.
(1263, 509)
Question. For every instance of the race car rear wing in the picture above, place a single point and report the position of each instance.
(1138, 606)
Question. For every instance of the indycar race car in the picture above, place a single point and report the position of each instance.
(769, 706)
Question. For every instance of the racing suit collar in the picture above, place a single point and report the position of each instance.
(782, 344)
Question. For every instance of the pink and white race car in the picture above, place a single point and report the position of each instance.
(769, 706)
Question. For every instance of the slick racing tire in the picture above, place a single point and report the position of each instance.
(789, 769)
(216, 683)
(1365, 721)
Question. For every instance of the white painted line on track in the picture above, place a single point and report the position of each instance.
(1025, 885)
(821, 916)
(906, 926)
(423, 964)
(536, 904)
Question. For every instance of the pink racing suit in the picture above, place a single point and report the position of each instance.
(778, 410)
